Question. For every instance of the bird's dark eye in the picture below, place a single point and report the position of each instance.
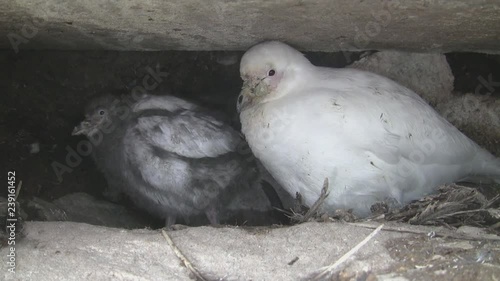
(101, 112)
(271, 72)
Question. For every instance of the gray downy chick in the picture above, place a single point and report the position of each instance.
(171, 157)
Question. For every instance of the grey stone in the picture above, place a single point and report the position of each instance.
(75, 251)
(478, 116)
(429, 75)
(418, 25)
(45, 211)
(82, 207)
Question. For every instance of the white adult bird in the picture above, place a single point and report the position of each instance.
(374, 139)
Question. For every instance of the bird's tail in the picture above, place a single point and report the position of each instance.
(486, 168)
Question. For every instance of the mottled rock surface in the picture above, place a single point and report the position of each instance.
(418, 25)
(75, 251)
(429, 75)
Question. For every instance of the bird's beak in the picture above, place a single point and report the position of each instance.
(247, 89)
(246, 95)
(253, 89)
(83, 128)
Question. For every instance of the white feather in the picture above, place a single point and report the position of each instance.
(373, 138)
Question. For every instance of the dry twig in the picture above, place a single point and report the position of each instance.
(315, 207)
(330, 268)
(296, 213)
(453, 205)
(19, 185)
(401, 229)
(183, 258)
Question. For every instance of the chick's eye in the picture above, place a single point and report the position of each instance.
(102, 112)
(271, 72)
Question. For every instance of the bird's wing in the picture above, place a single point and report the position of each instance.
(393, 121)
(165, 102)
(186, 133)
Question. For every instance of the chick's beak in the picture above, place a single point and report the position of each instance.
(82, 128)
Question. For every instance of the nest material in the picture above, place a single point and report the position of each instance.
(300, 213)
(453, 205)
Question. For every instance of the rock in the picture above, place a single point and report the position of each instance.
(429, 75)
(475, 232)
(392, 277)
(227, 59)
(41, 210)
(478, 116)
(422, 25)
(76, 251)
(82, 207)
